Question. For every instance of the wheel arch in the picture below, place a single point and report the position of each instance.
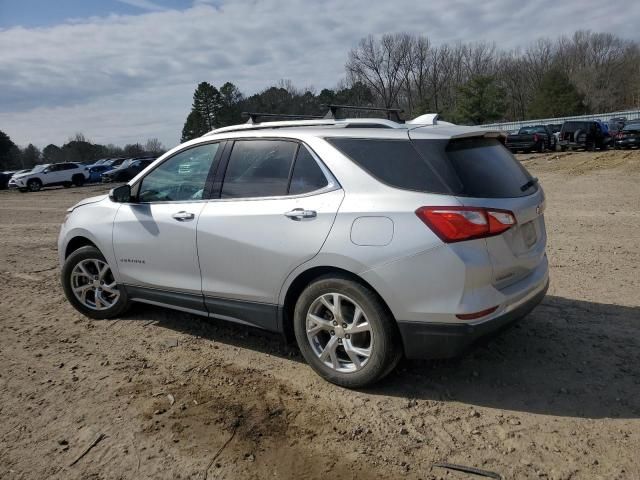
(77, 242)
(301, 281)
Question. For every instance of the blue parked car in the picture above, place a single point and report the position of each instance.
(95, 171)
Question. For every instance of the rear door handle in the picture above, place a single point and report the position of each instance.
(182, 216)
(299, 214)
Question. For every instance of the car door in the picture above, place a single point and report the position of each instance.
(53, 174)
(276, 206)
(154, 237)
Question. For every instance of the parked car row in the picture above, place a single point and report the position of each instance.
(67, 174)
(576, 134)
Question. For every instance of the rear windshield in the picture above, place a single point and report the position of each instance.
(473, 167)
(528, 130)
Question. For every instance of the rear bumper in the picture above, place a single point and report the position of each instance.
(446, 340)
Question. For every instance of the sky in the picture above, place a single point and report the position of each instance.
(122, 71)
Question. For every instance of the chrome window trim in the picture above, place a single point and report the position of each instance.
(332, 182)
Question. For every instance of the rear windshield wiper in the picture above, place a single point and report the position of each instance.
(529, 184)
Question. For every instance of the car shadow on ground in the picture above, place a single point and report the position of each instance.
(567, 358)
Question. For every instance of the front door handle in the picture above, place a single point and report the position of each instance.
(182, 216)
(299, 214)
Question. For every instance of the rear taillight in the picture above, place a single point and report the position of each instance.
(535, 137)
(455, 224)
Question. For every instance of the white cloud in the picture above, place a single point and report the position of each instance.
(125, 78)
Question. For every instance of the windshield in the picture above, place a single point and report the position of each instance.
(39, 168)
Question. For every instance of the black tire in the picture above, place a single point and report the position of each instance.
(386, 350)
(86, 253)
(78, 180)
(34, 185)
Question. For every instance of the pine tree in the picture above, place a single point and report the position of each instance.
(207, 101)
(480, 101)
(30, 156)
(556, 97)
(194, 127)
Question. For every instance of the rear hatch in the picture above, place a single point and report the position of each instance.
(480, 172)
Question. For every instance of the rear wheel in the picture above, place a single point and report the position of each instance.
(34, 185)
(78, 180)
(345, 332)
(90, 286)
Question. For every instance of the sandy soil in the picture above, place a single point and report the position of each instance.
(177, 396)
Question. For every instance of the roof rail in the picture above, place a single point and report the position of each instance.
(254, 116)
(347, 122)
(391, 112)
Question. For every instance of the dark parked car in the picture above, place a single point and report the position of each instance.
(127, 170)
(538, 138)
(4, 179)
(96, 171)
(629, 136)
(115, 162)
(587, 134)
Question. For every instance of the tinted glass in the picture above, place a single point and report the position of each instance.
(182, 177)
(394, 162)
(258, 168)
(474, 167)
(307, 174)
(487, 169)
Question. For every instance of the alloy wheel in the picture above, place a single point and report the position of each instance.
(339, 332)
(93, 284)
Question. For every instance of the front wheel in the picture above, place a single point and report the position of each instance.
(90, 286)
(34, 185)
(345, 332)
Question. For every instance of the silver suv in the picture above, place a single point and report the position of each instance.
(363, 239)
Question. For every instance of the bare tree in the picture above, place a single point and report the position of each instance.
(379, 65)
(154, 145)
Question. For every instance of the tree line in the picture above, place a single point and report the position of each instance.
(469, 83)
(76, 149)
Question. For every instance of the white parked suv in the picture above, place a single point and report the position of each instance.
(49, 175)
(362, 239)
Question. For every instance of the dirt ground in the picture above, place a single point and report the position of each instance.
(179, 396)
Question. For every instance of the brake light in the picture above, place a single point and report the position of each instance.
(456, 224)
(535, 137)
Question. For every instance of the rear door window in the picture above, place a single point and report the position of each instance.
(258, 168)
(307, 175)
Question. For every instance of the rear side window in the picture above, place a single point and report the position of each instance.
(307, 175)
(473, 167)
(394, 162)
(258, 168)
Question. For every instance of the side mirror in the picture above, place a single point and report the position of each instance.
(46, 170)
(121, 194)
